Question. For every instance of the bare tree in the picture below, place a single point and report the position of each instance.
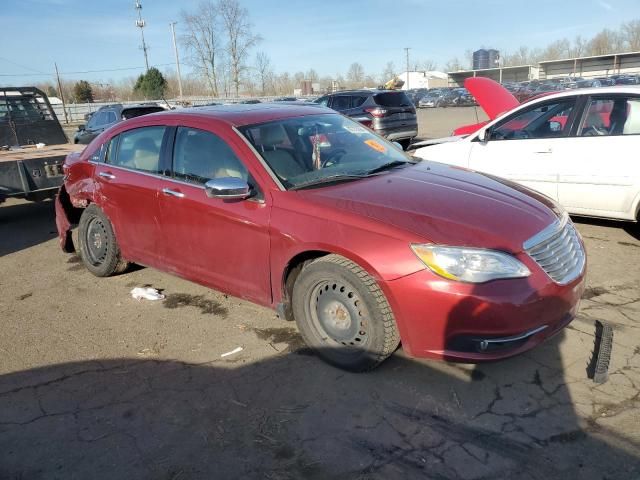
(606, 41)
(578, 48)
(240, 38)
(426, 65)
(263, 67)
(355, 74)
(631, 35)
(453, 65)
(557, 50)
(202, 41)
(312, 75)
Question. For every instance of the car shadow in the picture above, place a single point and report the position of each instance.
(25, 224)
(294, 417)
(631, 228)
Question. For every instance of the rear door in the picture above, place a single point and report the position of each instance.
(127, 183)
(598, 171)
(524, 147)
(220, 243)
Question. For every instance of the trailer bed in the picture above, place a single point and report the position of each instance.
(30, 152)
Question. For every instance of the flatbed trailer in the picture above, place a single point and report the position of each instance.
(33, 145)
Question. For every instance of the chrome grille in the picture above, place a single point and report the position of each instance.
(558, 251)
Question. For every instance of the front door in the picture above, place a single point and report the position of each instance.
(523, 147)
(220, 243)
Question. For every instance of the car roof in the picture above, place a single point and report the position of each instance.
(239, 115)
(627, 89)
(365, 92)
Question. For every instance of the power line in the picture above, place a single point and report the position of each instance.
(21, 66)
(79, 72)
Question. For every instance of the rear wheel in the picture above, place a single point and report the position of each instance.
(343, 315)
(99, 248)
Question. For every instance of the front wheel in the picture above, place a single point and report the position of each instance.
(99, 249)
(343, 314)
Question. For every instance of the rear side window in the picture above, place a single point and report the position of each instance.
(199, 156)
(392, 99)
(111, 117)
(357, 101)
(139, 149)
(341, 102)
(611, 116)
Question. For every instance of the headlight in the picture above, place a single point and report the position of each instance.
(473, 265)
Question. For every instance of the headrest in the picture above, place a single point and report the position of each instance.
(271, 135)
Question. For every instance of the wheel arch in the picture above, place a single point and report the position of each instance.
(295, 264)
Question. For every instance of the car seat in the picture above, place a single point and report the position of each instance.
(146, 155)
(618, 117)
(279, 159)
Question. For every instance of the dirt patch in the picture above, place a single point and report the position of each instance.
(25, 296)
(287, 335)
(591, 292)
(629, 244)
(74, 259)
(206, 306)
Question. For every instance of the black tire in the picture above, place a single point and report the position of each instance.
(99, 248)
(341, 289)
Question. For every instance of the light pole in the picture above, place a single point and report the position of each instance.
(175, 49)
(140, 23)
(406, 49)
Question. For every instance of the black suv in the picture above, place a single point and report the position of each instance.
(108, 116)
(389, 113)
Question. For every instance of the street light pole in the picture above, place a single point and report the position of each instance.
(175, 49)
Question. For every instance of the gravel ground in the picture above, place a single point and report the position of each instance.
(94, 384)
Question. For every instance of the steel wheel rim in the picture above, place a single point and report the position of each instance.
(96, 241)
(339, 314)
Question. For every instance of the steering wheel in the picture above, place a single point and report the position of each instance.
(333, 158)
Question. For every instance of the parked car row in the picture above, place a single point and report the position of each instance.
(532, 88)
(441, 97)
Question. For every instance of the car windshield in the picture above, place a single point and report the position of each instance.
(316, 149)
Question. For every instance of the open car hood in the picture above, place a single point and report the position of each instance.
(491, 96)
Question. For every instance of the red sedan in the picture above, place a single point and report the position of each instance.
(303, 210)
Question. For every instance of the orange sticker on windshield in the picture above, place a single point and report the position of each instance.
(378, 147)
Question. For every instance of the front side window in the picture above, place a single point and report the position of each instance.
(549, 120)
(611, 116)
(110, 118)
(199, 156)
(311, 149)
(139, 149)
(96, 120)
(323, 100)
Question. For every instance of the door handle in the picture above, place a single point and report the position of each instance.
(548, 150)
(172, 193)
(107, 175)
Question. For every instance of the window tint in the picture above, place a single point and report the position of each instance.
(341, 102)
(611, 116)
(140, 149)
(138, 111)
(392, 99)
(357, 101)
(96, 120)
(542, 121)
(110, 118)
(199, 156)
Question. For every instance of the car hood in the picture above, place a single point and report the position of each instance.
(491, 96)
(444, 204)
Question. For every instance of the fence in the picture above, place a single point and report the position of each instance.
(77, 112)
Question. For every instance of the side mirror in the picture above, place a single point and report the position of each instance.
(555, 126)
(484, 135)
(80, 127)
(230, 188)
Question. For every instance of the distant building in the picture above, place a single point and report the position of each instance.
(485, 58)
(426, 79)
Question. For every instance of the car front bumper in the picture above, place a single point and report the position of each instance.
(444, 319)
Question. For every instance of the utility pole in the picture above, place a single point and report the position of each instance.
(140, 23)
(175, 49)
(64, 106)
(406, 50)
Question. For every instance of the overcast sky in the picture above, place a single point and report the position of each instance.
(327, 35)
